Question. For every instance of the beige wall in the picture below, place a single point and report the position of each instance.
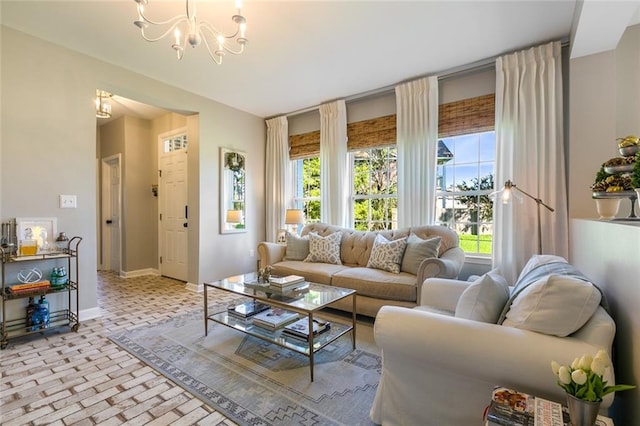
(605, 105)
(48, 146)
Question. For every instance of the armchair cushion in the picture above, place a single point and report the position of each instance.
(387, 255)
(556, 304)
(297, 247)
(484, 299)
(324, 249)
(417, 250)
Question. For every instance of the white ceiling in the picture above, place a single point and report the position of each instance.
(303, 53)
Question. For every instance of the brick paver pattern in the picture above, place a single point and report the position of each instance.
(67, 378)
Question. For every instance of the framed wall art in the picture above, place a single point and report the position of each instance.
(41, 229)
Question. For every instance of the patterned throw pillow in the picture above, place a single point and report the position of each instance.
(387, 255)
(324, 249)
(297, 247)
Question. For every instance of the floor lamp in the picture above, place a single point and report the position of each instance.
(506, 198)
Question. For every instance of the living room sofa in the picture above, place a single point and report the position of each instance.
(440, 363)
(375, 287)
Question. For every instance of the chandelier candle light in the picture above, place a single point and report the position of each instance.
(188, 28)
(509, 187)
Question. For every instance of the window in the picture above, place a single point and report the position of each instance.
(465, 179)
(375, 188)
(307, 188)
(175, 143)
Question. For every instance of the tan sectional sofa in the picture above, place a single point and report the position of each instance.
(375, 287)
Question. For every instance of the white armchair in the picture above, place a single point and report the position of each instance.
(439, 369)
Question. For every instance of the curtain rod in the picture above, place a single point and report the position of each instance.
(451, 73)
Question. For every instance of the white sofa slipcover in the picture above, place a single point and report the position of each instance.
(440, 370)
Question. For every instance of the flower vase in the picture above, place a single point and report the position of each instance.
(582, 413)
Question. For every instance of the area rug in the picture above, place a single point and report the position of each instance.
(254, 382)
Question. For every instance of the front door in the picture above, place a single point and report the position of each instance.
(172, 202)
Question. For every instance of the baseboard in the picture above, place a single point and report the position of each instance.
(89, 314)
(196, 288)
(139, 273)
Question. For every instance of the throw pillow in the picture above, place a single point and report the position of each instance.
(387, 255)
(484, 299)
(558, 305)
(297, 247)
(417, 250)
(324, 249)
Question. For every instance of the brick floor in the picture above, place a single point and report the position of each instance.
(67, 378)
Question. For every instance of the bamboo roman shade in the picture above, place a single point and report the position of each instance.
(471, 115)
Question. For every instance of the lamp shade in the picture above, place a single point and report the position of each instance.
(234, 216)
(294, 217)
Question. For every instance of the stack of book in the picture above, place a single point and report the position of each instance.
(274, 318)
(300, 328)
(247, 310)
(285, 283)
(509, 407)
(27, 287)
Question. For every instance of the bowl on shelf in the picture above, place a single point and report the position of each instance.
(627, 151)
(618, 169)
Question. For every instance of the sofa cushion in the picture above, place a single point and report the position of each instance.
(387, 255)
(484, 299)
(315, 272)
(377, 283)
(324, 249)
(417, 250)
(556, 304)
(297, 247)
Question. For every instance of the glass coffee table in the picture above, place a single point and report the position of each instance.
(306, 299)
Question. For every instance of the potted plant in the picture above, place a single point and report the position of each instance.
(584, 384)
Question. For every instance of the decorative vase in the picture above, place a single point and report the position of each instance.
(638, 195)
(582, 413)
(607, 207)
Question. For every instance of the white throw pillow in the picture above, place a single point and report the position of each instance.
(558, 305)
(387, 255)
(418, 250)
(484, 299)
(297, 247)
(324, 249)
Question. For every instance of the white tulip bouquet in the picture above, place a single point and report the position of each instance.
(583, 379)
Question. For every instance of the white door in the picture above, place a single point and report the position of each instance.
(111, 207)
(172, 202)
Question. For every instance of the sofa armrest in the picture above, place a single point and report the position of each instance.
(270, 253)
(476, 352)
(442, 293)
(446, 266)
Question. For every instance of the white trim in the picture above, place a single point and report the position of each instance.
(139, 273)
(89, 314)
(196, 288)
(477, 260)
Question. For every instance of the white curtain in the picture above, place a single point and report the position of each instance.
(278, 186)
(417, 144)
(530, 152)
(334, 176)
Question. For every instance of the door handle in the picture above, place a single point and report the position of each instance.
(185, 224)
(109, 222)
(186, 212)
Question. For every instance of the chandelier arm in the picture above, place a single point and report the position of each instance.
(216, 58)
(213, 32)
(168, 21)
(163, 35)
(206, 25)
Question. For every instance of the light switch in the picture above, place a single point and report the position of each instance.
(68, 202)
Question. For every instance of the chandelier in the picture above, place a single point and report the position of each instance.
(187, 28)
(103, 104)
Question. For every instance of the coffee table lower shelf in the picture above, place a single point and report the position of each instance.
(279, 338)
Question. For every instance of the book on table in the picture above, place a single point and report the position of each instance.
(300, 328)
(247, 309)
(285, 281)
(509, 407)
(274, 318)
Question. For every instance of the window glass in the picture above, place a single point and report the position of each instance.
(307, 188)
(465, 180)
(375, 188)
